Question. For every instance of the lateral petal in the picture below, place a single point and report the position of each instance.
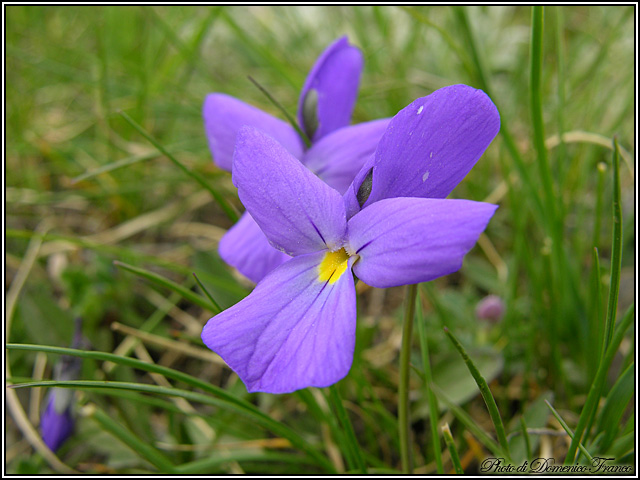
(223, 117)
(293, 331)
(246, 248)
(330, 90)
(296, 210)
(402, 241)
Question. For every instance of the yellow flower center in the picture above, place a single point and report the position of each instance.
(333, 265)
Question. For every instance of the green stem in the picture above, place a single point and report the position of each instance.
(428, 380)
(403, 388)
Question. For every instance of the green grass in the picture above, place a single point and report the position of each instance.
(107, 161)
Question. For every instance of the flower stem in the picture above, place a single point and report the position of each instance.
(403, 388)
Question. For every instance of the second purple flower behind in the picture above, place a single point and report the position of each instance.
(337, 150)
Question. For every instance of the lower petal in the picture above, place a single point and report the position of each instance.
(246, 248)
(293, 331)
(401, 241)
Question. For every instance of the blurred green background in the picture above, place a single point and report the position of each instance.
(85, 189)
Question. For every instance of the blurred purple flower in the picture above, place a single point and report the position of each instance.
(56, 424)
(56, 421)
(297, 328)
(337, 153)
(490, 308)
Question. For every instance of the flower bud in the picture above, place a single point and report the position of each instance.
(490, 308)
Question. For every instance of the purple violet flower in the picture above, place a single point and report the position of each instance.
(337, 153)
(56, 422)
(393, 227)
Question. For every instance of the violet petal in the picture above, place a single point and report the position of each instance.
(246, 248)
(339, 156)
(403, 241)
(223, 117)
(296, 210)
(335, 78)
(293, 331)
(431, 145)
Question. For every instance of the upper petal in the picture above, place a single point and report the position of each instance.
(330, 90)
(339, 156)
(223, 117)
(293, 331)
(402, 241)
(431, 145)
(246, 248)
(296, 210)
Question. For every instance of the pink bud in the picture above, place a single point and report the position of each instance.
(490, 308)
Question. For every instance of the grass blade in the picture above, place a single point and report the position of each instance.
(595, 392)
(224, 399)
(597, 220)
(594, 350)
(537, 122)
(616, 249)
(289, 118)
(525, 436)
(483, 80)
(165, 282)
(455, 458)
(613, 409)
(350, 436)
(561, 87)
(205, 465)
(448, 38)
(535, 417)
(215, 304)
(431, 398)
(149, 453)
(468, 422)
(486, 393)
(568, 430)
(228, 210)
